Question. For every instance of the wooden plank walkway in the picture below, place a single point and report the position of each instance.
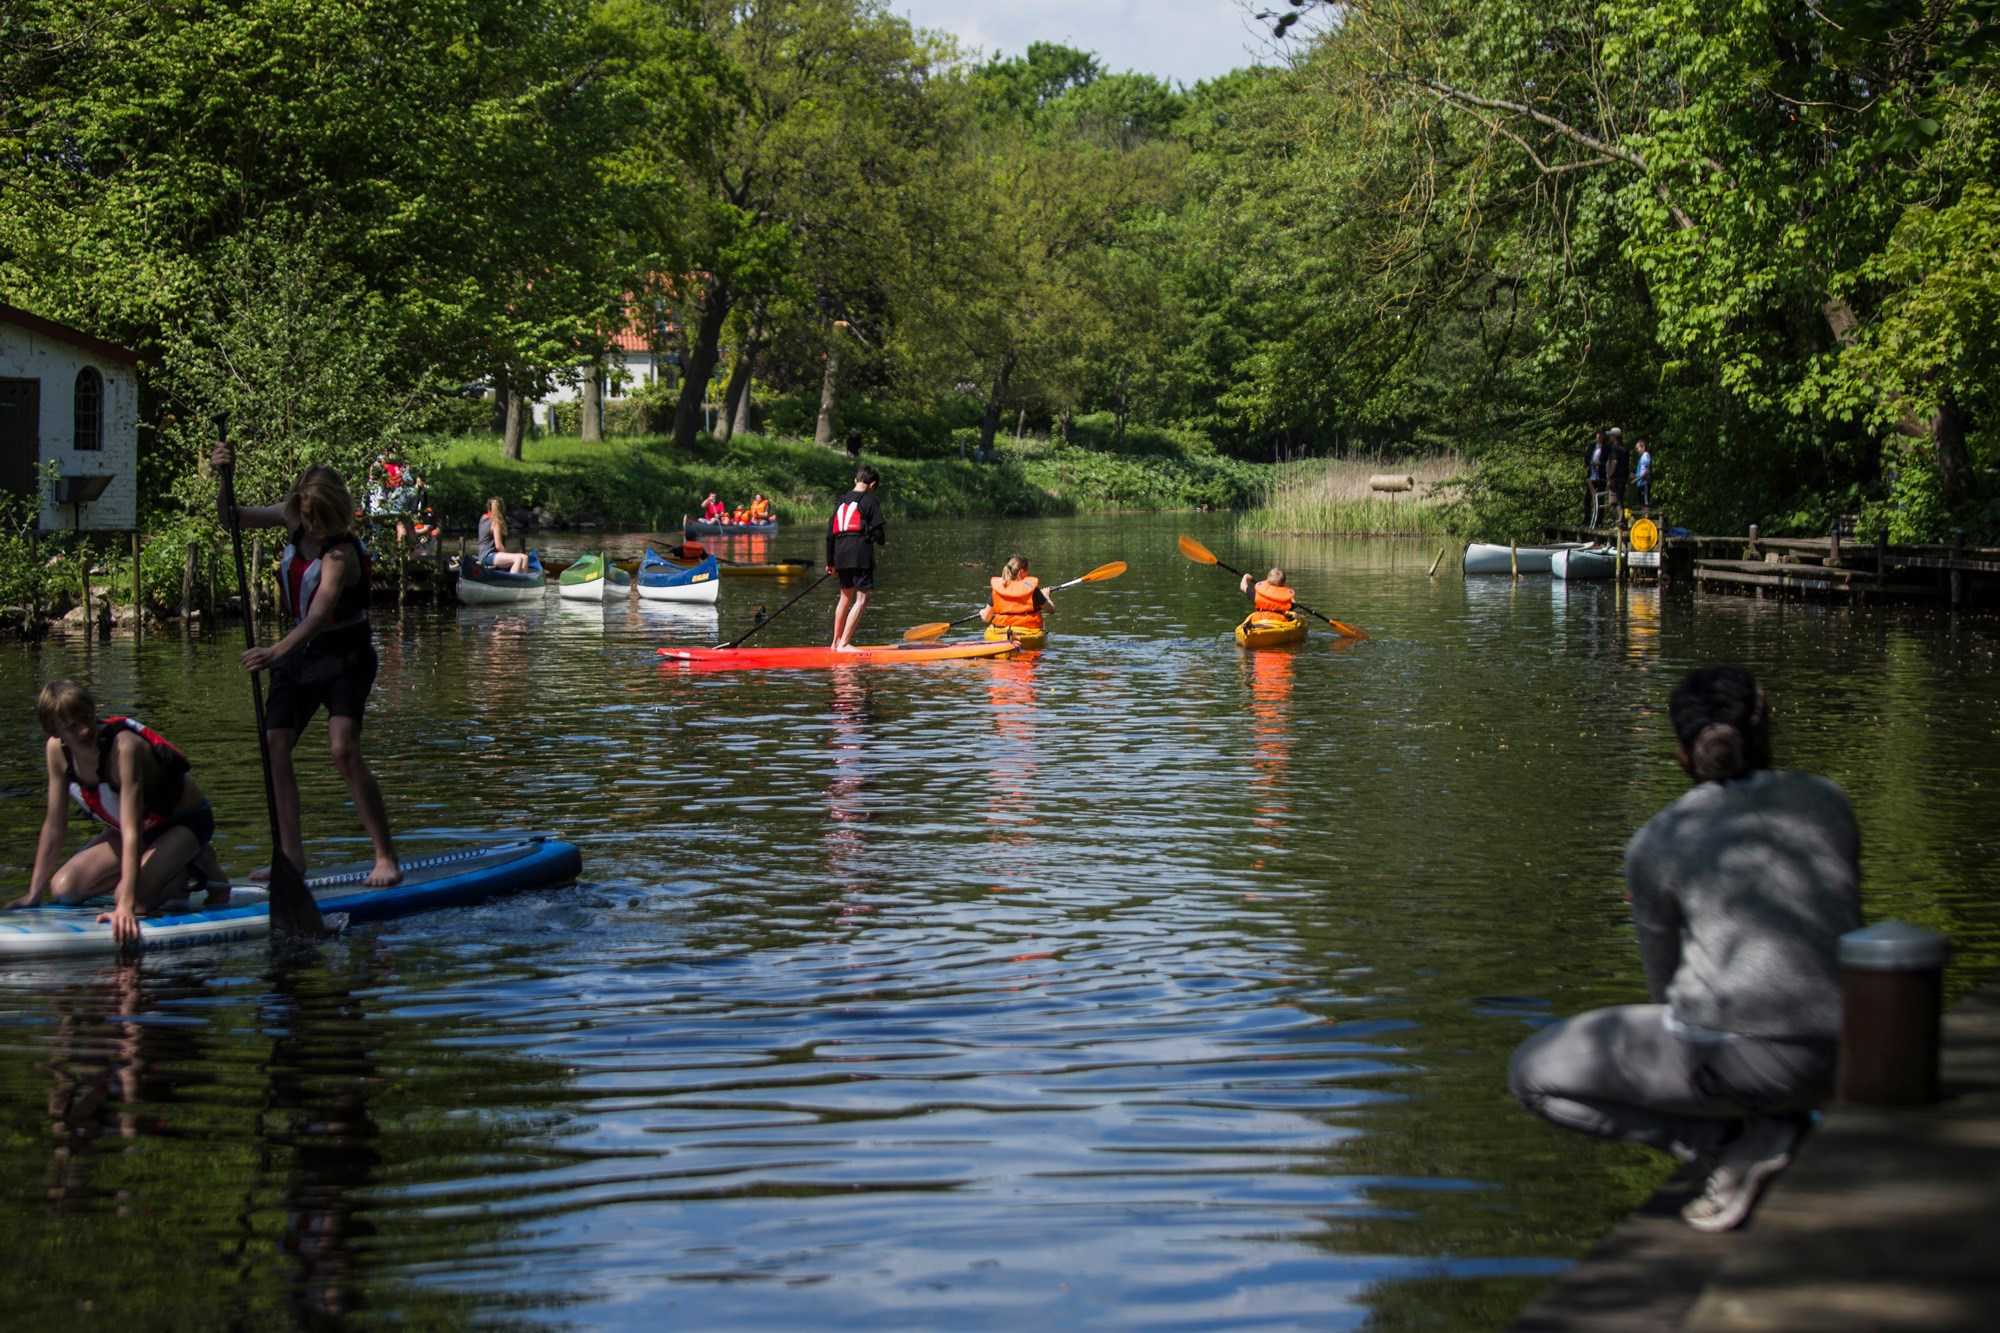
(1887, 1220)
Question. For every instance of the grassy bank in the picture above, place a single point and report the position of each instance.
(1333, 496)
(644, 482)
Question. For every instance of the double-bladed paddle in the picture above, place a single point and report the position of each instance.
(293, 911)
(938, 627)
(1201, 555)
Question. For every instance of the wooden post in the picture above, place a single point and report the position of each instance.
(1957, 574)
(83, 554)
(138, 591)
(187, 587)
(441, 579)
(402, 572)
(1435, 563)
(214, 559)
(1513, 560)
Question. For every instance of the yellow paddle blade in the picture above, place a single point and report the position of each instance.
(930, 631)
(1195, 551)
(1103, 572)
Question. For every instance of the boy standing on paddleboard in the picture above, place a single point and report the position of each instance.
(157, 823)
(851, 538)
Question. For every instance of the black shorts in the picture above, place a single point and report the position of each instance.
(336, 677)
(199, 821)
(861, 580)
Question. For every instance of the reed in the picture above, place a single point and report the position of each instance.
(1331, 495)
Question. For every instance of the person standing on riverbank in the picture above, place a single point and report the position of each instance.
(327, 660)
(1593, 478)
(1740, 890)
(852, 535)
(1617, 469)
(1642, 478)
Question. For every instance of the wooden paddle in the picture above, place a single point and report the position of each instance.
(1201, 555)
(737, 641)
(938, 627)
(293, 911)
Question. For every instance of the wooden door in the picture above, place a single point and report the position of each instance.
(20, 435)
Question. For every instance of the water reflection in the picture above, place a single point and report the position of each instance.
(1227, 1049)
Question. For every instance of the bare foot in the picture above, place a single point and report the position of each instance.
(387, 872)
(261, 875)
(845, 648)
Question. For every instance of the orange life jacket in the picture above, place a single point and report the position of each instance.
(759, 510)
(1274, 597)
(1014, 603)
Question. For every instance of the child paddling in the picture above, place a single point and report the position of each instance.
(157, 823)
(327, 660)
(1017, 598)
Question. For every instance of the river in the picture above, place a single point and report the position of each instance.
(1146, 983)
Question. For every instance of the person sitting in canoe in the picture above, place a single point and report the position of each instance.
(1273, 597)
(760, 509)
(493, 552)
(852, 535)
(1018, 600)
(713, 510)
(157, 823)
(327, 660)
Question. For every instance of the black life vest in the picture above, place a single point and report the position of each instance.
(352, 607)
(163, 786)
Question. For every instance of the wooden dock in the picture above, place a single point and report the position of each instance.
(1888, 1219)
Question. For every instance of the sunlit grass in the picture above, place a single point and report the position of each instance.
(1332, 495)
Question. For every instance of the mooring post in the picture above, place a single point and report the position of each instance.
(402, 572)
(187, 586)
(138, 591)
(1435, 563)
(1513, 560)
(83, 556)
(1957, 574)
(208, 567)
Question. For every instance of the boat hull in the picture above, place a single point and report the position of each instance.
(1266, 629)
(1587, 563)
(660, 581)
(819, 658)
(593, 579)
(481, 586)
(449, 879)
(695, 527)
(1491, 558)
(1030, 637)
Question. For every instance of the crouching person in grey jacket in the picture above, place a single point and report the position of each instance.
(1740, 890)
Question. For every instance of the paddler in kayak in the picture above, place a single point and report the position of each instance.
(128, 777)
(327, 660)
(1272, 594)
(1018, 600)
(760, 509)
(852, 535)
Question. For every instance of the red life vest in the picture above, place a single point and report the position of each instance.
(1274, 597)
(1014, 603)
(298, 583)
(392, 473)
(847, 517)
(715, 509)
(162, 794)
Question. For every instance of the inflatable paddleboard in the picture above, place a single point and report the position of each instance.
(449, 879)
(885, 654)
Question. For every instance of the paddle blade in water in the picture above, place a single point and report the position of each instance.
(1195, 551)
(1346, 630)
(931, 631)
(293, 911)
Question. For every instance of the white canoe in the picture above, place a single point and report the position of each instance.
(1590, 562)
(594, 579)
(1489, 558)
(660, 581)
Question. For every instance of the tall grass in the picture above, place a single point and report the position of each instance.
(1332, 495)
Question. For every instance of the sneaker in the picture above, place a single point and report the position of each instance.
(1742, 1170)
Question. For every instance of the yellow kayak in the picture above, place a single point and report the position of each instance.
(1028, 636)
(1268, 629)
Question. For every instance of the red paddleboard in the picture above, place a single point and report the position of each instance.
(885, 654)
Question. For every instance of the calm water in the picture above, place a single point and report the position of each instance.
(1149, 983)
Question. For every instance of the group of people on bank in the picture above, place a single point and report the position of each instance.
(1612, 472)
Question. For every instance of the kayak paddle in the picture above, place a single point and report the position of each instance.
(293, 911)
(1201, 555)
(775, 614)
(938, 627)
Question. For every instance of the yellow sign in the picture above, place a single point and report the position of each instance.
(1645, 535)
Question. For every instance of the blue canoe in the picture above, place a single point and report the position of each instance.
(663, 581)
(482, 585)
(449, 879)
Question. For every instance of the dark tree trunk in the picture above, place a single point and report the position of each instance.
(1954, 464)
(700, 367)
(516, 426)
(989, 420)
(736, 398)
(590, 411)
(829, 392)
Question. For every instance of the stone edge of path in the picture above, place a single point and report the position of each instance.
(1888, 1219)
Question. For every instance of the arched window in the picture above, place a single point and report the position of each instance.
(89, 409)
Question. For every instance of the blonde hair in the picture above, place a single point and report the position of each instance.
(320, 503)
(1015, 567)
(64, 703)
(1276, 578)
(498, 514)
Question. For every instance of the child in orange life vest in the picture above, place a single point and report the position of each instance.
(1273, 596)
(1018, 599)
(158, 825)
(760, 508)
(327, 660)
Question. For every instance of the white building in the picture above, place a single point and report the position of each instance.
(70, 400)
(630, 366)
